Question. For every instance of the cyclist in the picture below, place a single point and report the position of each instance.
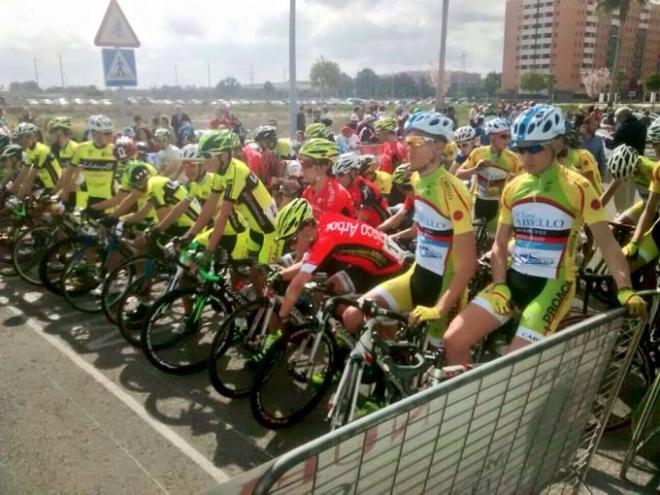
(653, 137)
(318, 130)
(436, 282)
(369, 205)
(402, 219)
(544, 209)
(383, 180)
(167, 157)
(12, 160)
(270, 165)
(244, 193)
(324, 193)
(394, 151)
(580, 160)
(466, 140)
(356, 255)
(93, 165)
(490, 167)
(625, 163)
(41, 165)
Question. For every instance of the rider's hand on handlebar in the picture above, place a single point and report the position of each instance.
(424, 313)
(501, 299)
(634, 304)
(631, 250)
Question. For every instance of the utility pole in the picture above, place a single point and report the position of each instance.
(440, 87)
(293, 112)
(36, 72)
(61, 72)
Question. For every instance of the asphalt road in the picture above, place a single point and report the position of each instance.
(82, 412)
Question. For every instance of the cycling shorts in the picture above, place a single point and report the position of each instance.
(488, 210)
(235, 245)
(262, 247)
(542, 302)
(633, 213)
(418, 286)
(648, 246)
(360, 280)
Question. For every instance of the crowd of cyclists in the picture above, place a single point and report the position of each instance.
(402, 223)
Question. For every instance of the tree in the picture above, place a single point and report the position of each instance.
(346, 85)
(366, 82)
(492, 83)
(551, 83)
(325, 74)
(25, 86)
(229, 86)
(652, 84)
(595, 81)
(426, 89)
(269, 89)
(623, 7)
(533, 81)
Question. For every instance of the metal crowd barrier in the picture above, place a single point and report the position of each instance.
(526, 423)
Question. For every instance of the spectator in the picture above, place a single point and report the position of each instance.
(347, 140)
(167, 156)
(451, 113)
(222, 118)
(366, 132)
(646, 119)
(325, 113)
(165, 124)
(316, 116)
(178, 118)
(145, 135)
(300, 119)
(357, 116)
(592, 142)
(137, 122)
(401, 118)
(629, 130)
(380, 112)
(300, 138)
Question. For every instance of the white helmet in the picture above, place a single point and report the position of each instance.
(497, 125)
(293, 169)
(346, 163)
(623, 161)
(24, 129)
(162, 134)
(538, 124)
(189, 153)
(99, 123)
(653, 132)
(465, 133)
(433, 123)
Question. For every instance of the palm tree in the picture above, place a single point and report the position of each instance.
(609, 7)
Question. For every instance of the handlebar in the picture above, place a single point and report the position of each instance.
(367, 306)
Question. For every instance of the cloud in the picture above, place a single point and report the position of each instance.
(186, 26)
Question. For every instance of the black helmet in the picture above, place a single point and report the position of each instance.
(139, 172)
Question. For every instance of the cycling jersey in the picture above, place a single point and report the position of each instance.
(647, 177)
(384, 182)
(166, 193)
(332, 198)
(353, 243)
(48, 168)
(125, 183)
(393, 155)
(442, 211)
(369, 204)
(249, 195)
(98, 169)
(202, 189)
(65, 153)
(450, 151)
(546, 212)
(582, 161)
(489, 182)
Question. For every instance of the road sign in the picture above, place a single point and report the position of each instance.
(115, 30)
(119, 67)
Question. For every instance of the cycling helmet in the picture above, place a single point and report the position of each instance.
(162, 134)
(402, 174)
(4, 140)
(623, 161)
(465, 133)
(318, 130)
(189, 153)
(290, 219)
(99, 123)
(368, 164)
(24, 129)
(320, 149)
(142, 147)
(218, 141)
(63, 123)
(12, 151)
(186, 133)
(293, 169)
(139, 172)
(539, 124)
(432, 123)
(124, 149)
(385, 124)
(264, 132)
(653, 133)
(497, 125)
(128, 132)
(346, 163)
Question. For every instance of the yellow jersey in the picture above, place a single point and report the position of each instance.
(48, 168)
(98, 167)
(488, 183)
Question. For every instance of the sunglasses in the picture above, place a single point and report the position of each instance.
(308, 163)
(532, 149)
(417, 141)
(503, 136)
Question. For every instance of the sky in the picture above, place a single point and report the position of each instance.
(244, 37)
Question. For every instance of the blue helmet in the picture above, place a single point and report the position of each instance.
(186, 133)
(433, 123)
(539, 124)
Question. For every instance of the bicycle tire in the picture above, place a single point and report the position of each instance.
(83, 274)
(267, 379)
(343, 398)
(54, 261)
(25, 259)
(181, 348)
(229, 348)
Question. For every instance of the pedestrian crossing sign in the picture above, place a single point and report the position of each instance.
(119, 67)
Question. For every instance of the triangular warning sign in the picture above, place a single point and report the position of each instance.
(115, 29)
(120, 70)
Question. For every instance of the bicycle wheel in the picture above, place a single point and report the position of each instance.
(293, 377)
(180, 328)
(82, 279)
(237, 349)
(28, 249)
(8, 235)
(133, 307)
(345, 398)
(53, 263)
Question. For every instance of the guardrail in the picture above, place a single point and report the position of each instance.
(526, 423)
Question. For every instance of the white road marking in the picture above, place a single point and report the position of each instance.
(174, 438)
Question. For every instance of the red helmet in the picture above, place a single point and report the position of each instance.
(125, 149)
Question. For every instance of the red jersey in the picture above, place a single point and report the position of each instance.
(333, 198)
(353, 243)
(394, 154)
(370, 205)
(254, 161)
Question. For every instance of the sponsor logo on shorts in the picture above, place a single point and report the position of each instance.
(555, 305)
